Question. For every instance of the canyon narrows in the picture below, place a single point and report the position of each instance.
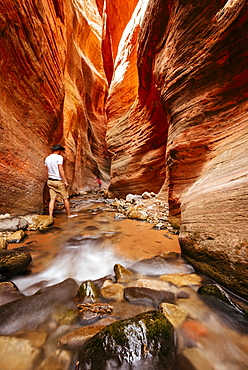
(150, 95)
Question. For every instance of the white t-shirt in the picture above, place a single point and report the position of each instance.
(52, 162)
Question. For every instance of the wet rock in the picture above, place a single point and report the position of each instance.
(192, 359)
(142, 342)
(133, 198)
(9, 292)
(91, 227)
(87, 292)
(16, 237)
(160, 226)
(137, 213)
(78, 337)
(146, 296)
(182, 279)
(17, 354)
(36, 339)
(29, 312)
(176, 315)
(89, 312)
(5, 215)
(194, 329)
(147, 195)
(3, 243)
(13, 224)
(39, 222)
(13, 262)
(122, 275)
(113, 292)
(120, 216)
(99, 282)
(214, 290)
(69, 317)
(57, 360)
(155, 284)
(158, 265)
(170, 255)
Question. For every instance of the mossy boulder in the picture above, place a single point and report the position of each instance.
(13, 262)
(216, 291)
(141, 342)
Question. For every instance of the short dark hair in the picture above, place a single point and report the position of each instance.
(56, 147)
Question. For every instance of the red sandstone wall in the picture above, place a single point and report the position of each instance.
(52, 88)
(137, 125)
(192, 57)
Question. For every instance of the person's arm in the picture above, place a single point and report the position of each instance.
(62, 174)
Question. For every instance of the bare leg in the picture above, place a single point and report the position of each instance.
(51, 206)
(67, 207)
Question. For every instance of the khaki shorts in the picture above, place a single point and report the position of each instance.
(57, 188)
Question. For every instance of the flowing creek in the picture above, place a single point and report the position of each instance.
(87, 247)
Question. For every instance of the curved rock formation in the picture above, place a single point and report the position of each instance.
(194, 55)
(137, 125)
(52, 89)
(176, 111)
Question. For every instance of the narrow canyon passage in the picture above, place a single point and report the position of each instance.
(150, 97)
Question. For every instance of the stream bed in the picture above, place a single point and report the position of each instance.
(35, 328)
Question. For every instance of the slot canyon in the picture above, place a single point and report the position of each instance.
(148, 95)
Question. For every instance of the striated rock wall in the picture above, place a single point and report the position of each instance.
(192, 57)
(52, 89)
(137, 124)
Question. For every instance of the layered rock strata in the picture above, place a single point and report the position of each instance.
(137, 124)
(52, 89)
(191, 57)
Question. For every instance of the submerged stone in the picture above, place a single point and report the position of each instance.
(182, 279)
(144, 296)
(57, 360)
(17, 354)
(142, 342)
(192, 359)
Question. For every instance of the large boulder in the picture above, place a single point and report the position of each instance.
(142, 342)
(13, 224)
(17, 354)
(29, 312)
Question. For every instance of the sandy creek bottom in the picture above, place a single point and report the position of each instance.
(222, 337)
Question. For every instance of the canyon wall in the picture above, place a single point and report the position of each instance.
(177, 122)
(137, 124)
(52, 90)
(164, 82)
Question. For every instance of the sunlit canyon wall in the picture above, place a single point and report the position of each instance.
(177, 124)
(164, 82)
(52, 90)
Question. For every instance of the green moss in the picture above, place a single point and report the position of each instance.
(146, 337)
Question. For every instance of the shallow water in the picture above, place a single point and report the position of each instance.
(87, 247)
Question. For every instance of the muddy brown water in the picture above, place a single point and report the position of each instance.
(86, 248)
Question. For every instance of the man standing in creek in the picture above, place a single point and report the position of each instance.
(57, 182)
